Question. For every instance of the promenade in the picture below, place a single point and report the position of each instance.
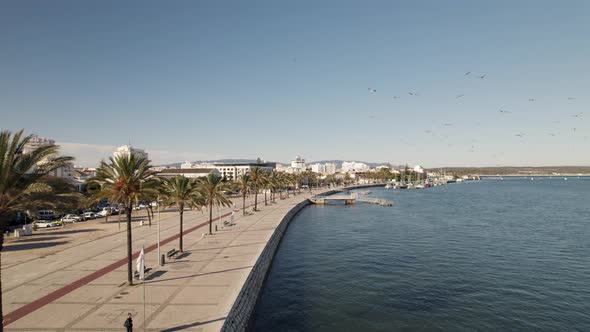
(79, 282)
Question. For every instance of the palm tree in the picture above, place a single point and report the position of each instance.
(20, 174)
(182, 192)
(212, 188)
(256, 178)
(125, 180)
(244, 184)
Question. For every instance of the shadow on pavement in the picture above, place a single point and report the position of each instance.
(28, 246)
(72, 231)
(155, 275)
(188, 326)
(37, 239)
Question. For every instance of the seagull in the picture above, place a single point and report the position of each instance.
(448, 124)
(395, 97)
(551, 134)
(483, 76)
(467, 73)
(372, 116)
(459, 96)
(556, 121)
(531, 99)
(520, 135)
(578, 115)
(503, 111)
(571, 98)
(411, 93)
(372, 90)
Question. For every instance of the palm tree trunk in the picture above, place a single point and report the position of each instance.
(1, 312)
(129, 249)
(181, 207)
(149, 217)
(211, 218)
(244, 203)
(255, 199)
(265, 204)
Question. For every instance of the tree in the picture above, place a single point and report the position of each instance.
(256, 179)
(182, 192)
(213, 191)
(20, 175)
(244, 185)
(125, 180)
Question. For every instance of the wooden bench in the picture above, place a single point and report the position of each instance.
(172, 252)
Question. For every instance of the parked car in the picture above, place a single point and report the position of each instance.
(45, 224)
(104, 212)
(71, 218)
(89, 215)
(46, 215)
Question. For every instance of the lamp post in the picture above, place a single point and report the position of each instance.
(159, 257)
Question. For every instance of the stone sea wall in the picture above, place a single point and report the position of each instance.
(239, 317)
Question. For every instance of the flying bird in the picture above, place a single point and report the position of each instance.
(395, 97)
(520, 135)
(372, 90)
(459, 96)
(503, 111)
(467, 73)
(551, 134)
(531, 99)
(571, 98)
(578, 115)
(483, 76)
(411, 93)
(448, 124)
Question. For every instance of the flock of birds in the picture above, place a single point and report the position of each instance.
(504, 111)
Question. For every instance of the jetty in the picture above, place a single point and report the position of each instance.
(349, 199)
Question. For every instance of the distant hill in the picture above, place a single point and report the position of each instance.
(517, 170)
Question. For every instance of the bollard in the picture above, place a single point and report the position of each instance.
(216, 228)
(162, 260)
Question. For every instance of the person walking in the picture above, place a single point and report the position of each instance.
(129, 323)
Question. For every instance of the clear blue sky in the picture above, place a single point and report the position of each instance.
(208, 79)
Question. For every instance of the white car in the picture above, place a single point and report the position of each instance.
(89, 215)
(71, 218)
(104, 212)
(46, 224)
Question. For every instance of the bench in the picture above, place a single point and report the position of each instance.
(172, 252)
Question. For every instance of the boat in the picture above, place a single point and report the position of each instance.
(419, 186)
(389, 186)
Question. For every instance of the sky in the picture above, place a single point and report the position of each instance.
(192, 80)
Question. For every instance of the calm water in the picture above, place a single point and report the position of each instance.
(492, 255)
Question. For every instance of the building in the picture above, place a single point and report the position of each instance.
(65, 172)
(353, 166)
(327, 168)
(231, 171)
(125, 150)
(418, 169)
(298, 165)
(187, 172)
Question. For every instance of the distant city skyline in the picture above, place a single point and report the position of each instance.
(468, 84)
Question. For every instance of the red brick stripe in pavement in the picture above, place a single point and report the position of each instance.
(39, 303)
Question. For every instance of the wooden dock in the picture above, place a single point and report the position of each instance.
(349, 199)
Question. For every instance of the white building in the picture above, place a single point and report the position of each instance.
(298, 165)
(229, 171)
(327, 168)
(353, 166)
(187, 172)
(125, 150)
(418, 169)
(65, 172)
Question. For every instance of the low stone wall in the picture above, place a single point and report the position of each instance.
(239, 316)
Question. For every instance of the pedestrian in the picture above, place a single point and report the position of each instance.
(129, 323)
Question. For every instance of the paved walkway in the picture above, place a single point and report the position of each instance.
(83, 288)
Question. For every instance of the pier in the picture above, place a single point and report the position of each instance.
(349, 199)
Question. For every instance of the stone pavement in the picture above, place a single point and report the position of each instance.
(193, 292)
